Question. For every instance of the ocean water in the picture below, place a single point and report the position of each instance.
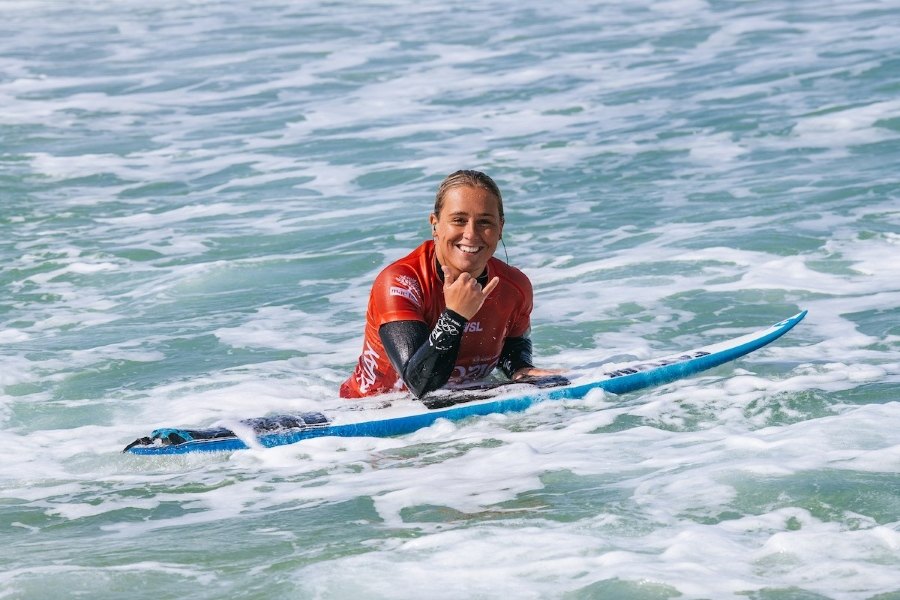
(195, 197)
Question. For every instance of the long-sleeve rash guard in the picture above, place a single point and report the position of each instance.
(425, 359)
(413, 342)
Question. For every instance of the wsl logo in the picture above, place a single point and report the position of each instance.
(473, 327)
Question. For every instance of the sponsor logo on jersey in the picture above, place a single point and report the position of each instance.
(473, 326)
(473, 372)
(407, 287)
(367, 363)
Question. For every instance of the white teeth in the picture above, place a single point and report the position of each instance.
(469, 249)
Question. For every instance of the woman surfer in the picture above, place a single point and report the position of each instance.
(448, 311)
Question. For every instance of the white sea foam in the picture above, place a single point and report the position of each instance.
(277, 327)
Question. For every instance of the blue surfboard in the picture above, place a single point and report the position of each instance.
(390, 415)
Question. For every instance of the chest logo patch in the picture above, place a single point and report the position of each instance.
(407, 287)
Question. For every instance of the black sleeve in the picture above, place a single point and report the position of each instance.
(516, 354)
(424, 360)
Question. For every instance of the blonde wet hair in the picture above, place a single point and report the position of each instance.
(468, 178)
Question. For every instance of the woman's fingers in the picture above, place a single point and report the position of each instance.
(491, 286)
(448, 276)
(464, 295)
(535, 372)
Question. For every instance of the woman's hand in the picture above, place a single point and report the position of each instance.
(464, 295)
(535, 372)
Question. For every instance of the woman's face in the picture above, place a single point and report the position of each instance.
(467, 231)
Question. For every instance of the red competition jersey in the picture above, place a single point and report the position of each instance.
(411, 290)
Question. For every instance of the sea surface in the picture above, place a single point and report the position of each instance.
(196, 195)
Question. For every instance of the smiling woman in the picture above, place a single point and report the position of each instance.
(448, 311)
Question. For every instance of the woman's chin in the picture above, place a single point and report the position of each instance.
(469, 264)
